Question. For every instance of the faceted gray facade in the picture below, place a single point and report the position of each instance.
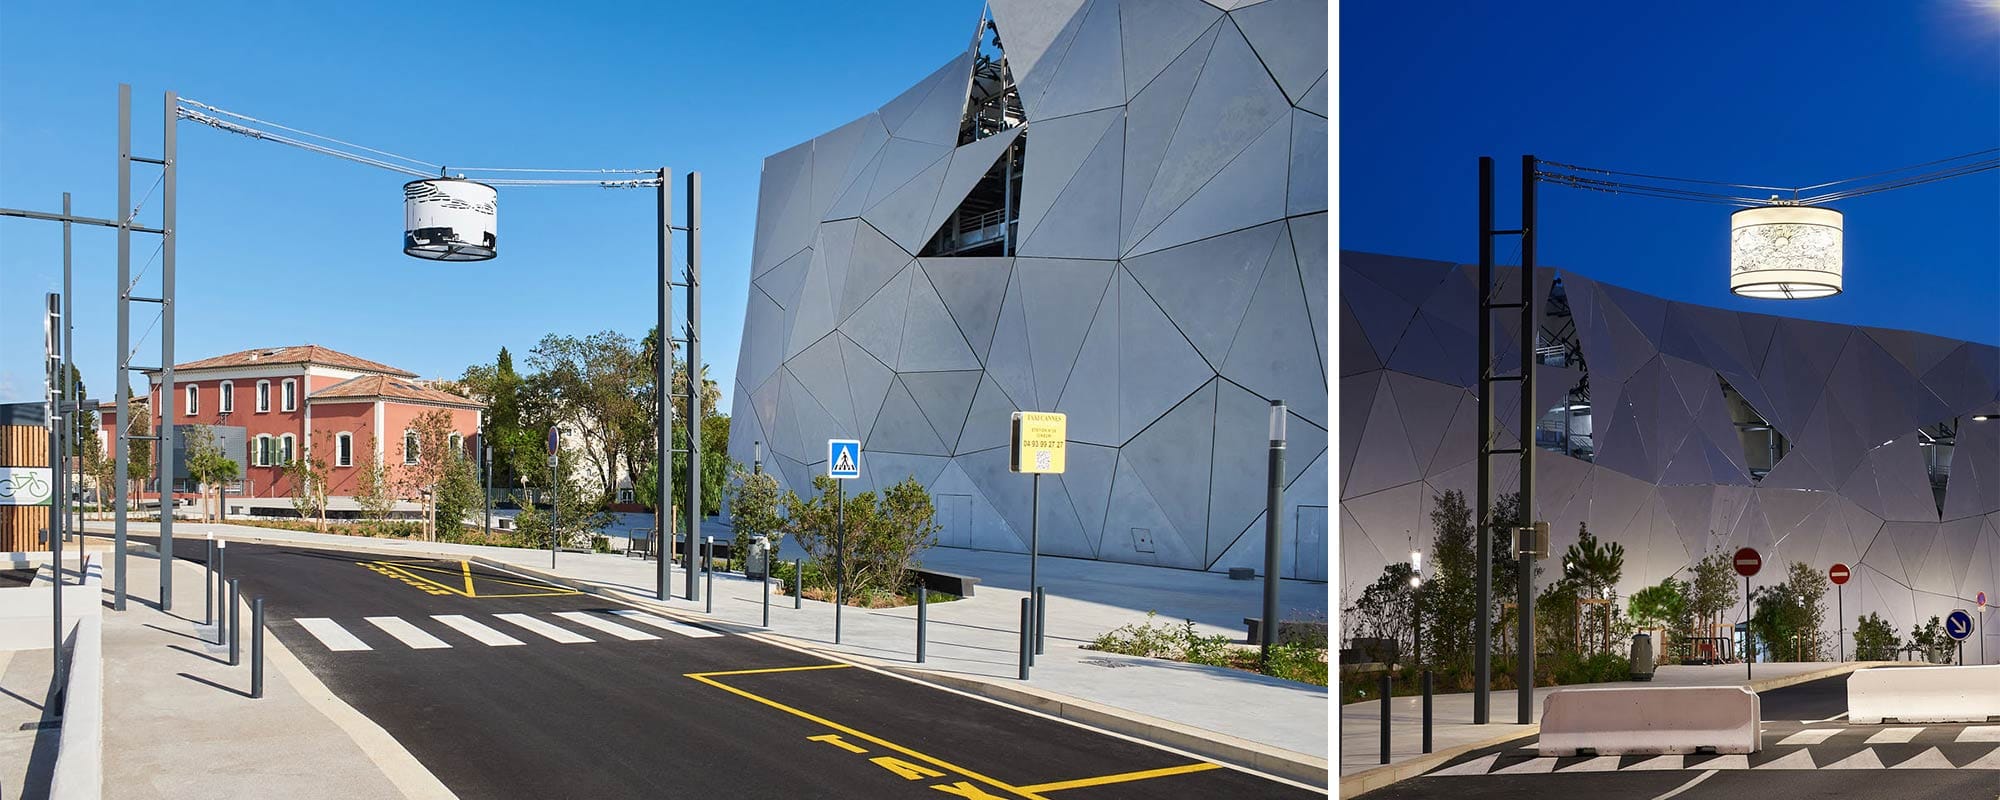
(1661, 465)
(1165, 279)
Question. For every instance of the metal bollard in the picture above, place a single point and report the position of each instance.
(235, 626)
(766, 581)
(1041, 618)
(708, 575)
(257, 648)
(221, 590)
(208, 586)
(1385, 717)
(1427, 711)
(798, 583)
(1027, 633)
(923, 618)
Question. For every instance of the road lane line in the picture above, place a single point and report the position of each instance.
(667, 625)
(485, 635)
(707, 678)
(1979, 733)
(769, 670)
(1894, 735)
(407, 633)
(585, 619)
(1814, 736)
(543, 629)
(1122, 777)
(466, 567)
(330, 633)
(1686, 786)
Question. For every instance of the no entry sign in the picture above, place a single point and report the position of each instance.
(1748, 562)
(1838, 574)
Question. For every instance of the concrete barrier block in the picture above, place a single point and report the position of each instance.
(78, 773)
(1650, 720)
(1923, 694)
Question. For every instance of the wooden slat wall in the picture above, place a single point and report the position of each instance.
(21, 526)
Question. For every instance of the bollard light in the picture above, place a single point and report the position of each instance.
(1277, 422)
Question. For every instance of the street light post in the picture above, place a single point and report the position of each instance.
(1417, 607)
(1274, 501)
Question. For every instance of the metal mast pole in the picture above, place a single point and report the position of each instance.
(52, 366)
(166, 446)
(71, 427)
(1530, 324)
(122, 462)
(1482, 650)
(694, 387)
(663, 358)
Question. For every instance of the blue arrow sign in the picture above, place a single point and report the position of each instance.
(843, 459)
(1958, 625)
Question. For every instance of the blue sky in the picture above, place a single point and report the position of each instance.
(279, 246)
(1778, 93)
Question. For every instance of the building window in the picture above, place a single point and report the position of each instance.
(285, 449)
(457, 443)
(624, 494)
(343, 450)
(290, 395)
(410, 447)
(194, 399)
(226, 392)
(263, 454)
(263, 396)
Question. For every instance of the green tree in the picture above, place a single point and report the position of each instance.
(207, 466)
(883, 536)
(1930, 639)
(139, 452)
(375, 489)
(1664, 607)
(1384, 609)
(1809, 587)
(1447, 600)
(1875, 639)
(456, 495)
(1592, 569)
(1713, 590)
(753, 504)
(578, 513)
(308, 475)
(499, 386)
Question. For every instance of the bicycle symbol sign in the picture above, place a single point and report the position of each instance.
(25, 486)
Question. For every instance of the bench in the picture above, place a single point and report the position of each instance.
(946, 582)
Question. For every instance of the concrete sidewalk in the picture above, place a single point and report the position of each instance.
(1452, 730)
(1274, 725)
(179, 722)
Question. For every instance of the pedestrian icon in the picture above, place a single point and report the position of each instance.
(843, 459)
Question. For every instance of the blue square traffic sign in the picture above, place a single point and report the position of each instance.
(843, 459)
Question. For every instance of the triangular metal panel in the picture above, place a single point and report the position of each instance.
(1151, 119)
(935, 119)
(1904, 481)
(1082, 221)
(1287, 35)
(1004, 493)
(1056, 150)
(1060, 296)
(784, 207)
(1315, 99)
(1173, 457)
(1358, 394)
(901, 427)
(931, 339)
(815, 425)
(972, 290)
(1156, 364)
(1426, 408)
(781, 434)
(835, 154)
(1241, 470)
(854, 197)
(903, 213)
(1037, 35)
(878, 324)
(1967, 377)
(1916, 352)
(1305, 192)
(1383, 458)
(867, 383)
(1008, 361)
(834, 245)
(1274, 342)
(871, 263)
(1092, 74)
(1155, 32)
(783, 282)
(897, 111)
(813, 318)
(989, 424)
(1090, 394)
(823, 373)
(968, 164)
(1309, 243)
(1393, 520)
(1205, 287)
(763, 339)
(945, 398)
(1087, 479)
(883, 470)
(1233, 102)
(904, 160)
(1136, 530)
(1460, 436)
(1249, 190)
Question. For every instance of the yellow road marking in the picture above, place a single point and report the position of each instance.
(1201, 766)
(706, 677)
(467, 566)
(406, 571)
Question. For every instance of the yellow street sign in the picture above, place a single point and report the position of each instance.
(1040, 440)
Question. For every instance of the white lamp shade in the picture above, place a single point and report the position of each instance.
(446, 219)
(1785, 252)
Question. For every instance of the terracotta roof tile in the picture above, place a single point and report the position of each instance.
(297, 354)
(372, 386)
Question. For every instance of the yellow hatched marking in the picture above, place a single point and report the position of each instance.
(1123, 777)
(407, 572)
(467, 566)
(707, 677)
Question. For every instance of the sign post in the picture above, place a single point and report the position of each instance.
(1838, 574)
(1747, 563)
(1981, 601)
(1038, 446)
(555, 489)
(1958, 625)
(843, 463)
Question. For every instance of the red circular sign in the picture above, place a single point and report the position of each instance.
(1982, 601)
(1748, 562)
(1838, 574)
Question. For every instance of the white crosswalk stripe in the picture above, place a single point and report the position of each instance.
(481, 633)
(330, 633)
(1809, 736)
(543, 629)
(406, 633)
(1905, 747)
(585, 619)
(663, 623)
(1980, 733)
(1894, 735)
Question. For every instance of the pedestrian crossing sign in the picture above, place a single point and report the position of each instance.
(843, 459)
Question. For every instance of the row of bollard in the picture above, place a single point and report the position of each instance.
(1387, 685)
(227, 619)
(923, 606)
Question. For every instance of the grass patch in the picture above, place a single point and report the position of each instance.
(1301, 660)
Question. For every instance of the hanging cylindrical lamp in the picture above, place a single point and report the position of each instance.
(449, 219)
(1783, 252)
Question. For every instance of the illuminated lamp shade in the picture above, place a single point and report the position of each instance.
(1785, 252)
(449, 219)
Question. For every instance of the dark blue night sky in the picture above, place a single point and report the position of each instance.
(1777, 93)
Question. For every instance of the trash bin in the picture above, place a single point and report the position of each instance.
(756, 563)
(1642, 657)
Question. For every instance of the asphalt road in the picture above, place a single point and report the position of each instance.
(1804, 721)
(679, 715)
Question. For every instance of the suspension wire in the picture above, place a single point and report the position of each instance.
(1603, 171)
(148, 332)
(225, 125)
(149, 195)
(1565, 175)
(561, 171)
(247, 118)
(1908, 181)
(157, 249)
(1901, 169)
